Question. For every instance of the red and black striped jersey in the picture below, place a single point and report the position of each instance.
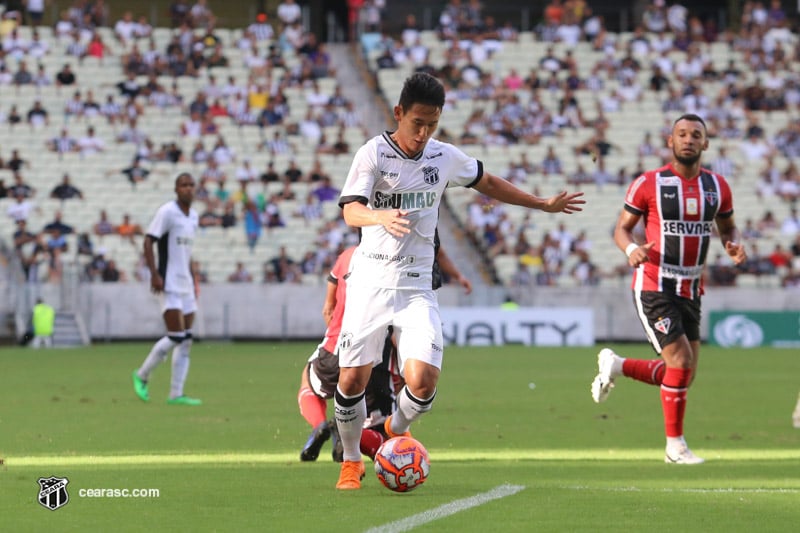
(679, 215)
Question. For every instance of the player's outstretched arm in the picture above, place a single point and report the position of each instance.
(500, 189)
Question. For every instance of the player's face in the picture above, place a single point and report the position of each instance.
(415, 126)
(688, 141)
(184, 188)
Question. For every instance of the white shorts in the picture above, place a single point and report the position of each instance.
(183, 301)
(369, 311)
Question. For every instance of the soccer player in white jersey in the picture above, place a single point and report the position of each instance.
(173, 229)
(392, 193)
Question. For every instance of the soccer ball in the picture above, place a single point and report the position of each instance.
(402, 464)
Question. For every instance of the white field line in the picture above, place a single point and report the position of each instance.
(719, 490)
(754, 454)
(447, 509)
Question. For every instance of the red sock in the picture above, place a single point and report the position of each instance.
(650, 371)
(673, 399)
(312, 407)
(371, 440)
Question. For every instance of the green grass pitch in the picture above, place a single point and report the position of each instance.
(517, 420)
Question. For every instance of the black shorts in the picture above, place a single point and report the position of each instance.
(667, 317)
(323, 375)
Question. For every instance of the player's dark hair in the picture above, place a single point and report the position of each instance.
(182, 174)
(692, 118)
(421, 88)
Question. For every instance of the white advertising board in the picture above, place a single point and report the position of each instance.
(531, 326)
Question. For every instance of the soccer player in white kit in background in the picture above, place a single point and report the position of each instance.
(392, 193)
(173, 228)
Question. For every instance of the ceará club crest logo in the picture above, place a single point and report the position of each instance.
(53, 492)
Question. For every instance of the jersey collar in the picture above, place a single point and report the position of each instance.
(387, 135)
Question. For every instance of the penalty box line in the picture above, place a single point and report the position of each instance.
(437, 456)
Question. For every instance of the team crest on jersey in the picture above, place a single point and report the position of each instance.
(345, 341)
(430, 175)
(711, 197)
(663, 325)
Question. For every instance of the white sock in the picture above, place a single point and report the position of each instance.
(616, 366)
(350, 412)
(180, 367)
(674, 443)
(409, 408)
(157, 354)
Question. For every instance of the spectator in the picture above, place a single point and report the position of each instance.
(103, 226)
(272, 214)
(286, 192)
(270, 175)
(228, 218)
(293, 174)
(325, 191)
(90, 144)
(20, 188)
(112, 274)
(240, 274)
(37, 116)
(209, 218)
(22, 76)
(42, 78)
(129, 230)
(310, 211)
(125, 28)
(76, 48)
(85, 245)
(252, 224)
(289, 12)
(136, 172)
(551, 163)
(65, 190)
(179, 13)
(245, 173)
(278, 145)
(142, 29)
(95, 268)
(16, 163)
(97, 48)
(57, 225)
(791, 224)
(22, 236)
(780, 258)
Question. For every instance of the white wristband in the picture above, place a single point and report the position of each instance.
(630, 248)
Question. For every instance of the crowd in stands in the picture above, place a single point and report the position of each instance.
(665, 58)
(231, 191)
(247, 80)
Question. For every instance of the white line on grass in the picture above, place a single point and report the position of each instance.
(438, 455)
(721, 490)
(447, 509)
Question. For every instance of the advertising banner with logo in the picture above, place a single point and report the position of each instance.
(531, 326)
(748, 329)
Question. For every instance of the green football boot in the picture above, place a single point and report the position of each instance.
(140, 387)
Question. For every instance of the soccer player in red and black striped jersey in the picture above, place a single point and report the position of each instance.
(680, 204)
